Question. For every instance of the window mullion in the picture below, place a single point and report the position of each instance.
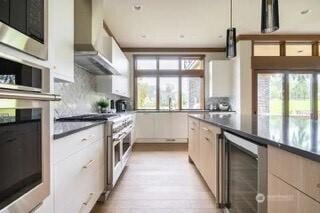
(286, 94)
(315, 96)
(158, 84)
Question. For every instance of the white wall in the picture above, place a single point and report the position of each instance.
(209, 56)
(242, 79)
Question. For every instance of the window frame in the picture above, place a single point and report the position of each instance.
(286, 109)
(169, 73)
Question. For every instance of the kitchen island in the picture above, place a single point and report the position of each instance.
(293, 134)
(271, 159)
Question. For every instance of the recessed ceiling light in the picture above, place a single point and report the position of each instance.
(181, 36)
(305, 12)
(137, 7)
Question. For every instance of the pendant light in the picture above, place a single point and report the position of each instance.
(231, 37)
(269, 16)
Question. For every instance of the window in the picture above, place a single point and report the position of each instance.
(266, 49)
(146, 93)
(146, 63)
(191, 91)
(169, 82)
(270, 95)
(298, 49)
(169, 63)
(169, 93)
(300, 95)
(287, 93)
(192, 64)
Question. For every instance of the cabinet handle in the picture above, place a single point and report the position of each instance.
(207, 139)
(89, 199)
(206, 129)
(171, 140)
(84, 139)
(193, 129)
(318, 185)
(89, 164)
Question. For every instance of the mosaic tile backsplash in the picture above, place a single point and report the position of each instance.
(79, 97)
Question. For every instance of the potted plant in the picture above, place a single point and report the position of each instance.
(103, 105)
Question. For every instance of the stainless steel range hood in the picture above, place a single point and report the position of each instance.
(93, 46)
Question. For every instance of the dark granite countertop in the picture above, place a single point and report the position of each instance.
(65, 128)
(297, 135)
(177, 111)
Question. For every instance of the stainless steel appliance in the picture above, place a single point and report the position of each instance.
(242, 175)
(24, 136)
(119, 147)
(121, 106)
(23, 25)
(92, 43)
(223, 106)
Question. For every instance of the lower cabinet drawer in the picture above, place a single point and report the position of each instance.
(71, 144)
(299, 172)
(283, 198)
(79, 180)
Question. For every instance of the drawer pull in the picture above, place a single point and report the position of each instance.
(193, 129)
(207, 139)
(206, 129)
(84, 139)
(89, 164)
(89, 199)
(318, 185)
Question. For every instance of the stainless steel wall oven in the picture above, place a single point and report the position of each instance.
(24, 135)
(23, 25)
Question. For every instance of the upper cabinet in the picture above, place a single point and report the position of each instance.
(119, 59)
(62, 35)
(220, 78)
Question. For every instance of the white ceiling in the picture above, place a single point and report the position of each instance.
(162, 22)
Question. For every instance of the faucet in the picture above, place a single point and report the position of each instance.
(170, 104)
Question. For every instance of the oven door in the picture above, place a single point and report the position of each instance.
(27, 22)
(24, 154)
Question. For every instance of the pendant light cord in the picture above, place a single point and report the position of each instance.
(231, 11)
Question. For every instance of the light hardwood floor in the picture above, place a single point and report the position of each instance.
(159, 179)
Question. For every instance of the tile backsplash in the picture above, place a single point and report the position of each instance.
(79, 97)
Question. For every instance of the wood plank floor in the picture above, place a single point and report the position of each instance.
(159, 179)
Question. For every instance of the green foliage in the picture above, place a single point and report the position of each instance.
(103, 103)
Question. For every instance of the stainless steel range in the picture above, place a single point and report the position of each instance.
(118, 144)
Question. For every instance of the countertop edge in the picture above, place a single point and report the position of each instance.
(67, 133)
(262, 141)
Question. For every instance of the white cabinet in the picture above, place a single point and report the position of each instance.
(162, 123)
(79, 173)
(114, 84)
(162, 127)
(220, 78)
(145, 125)
(62, 35)
(119, 60)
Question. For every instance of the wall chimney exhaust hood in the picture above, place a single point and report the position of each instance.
(93, 46)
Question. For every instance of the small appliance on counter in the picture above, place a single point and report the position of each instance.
(223, 106)
(121, 105)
